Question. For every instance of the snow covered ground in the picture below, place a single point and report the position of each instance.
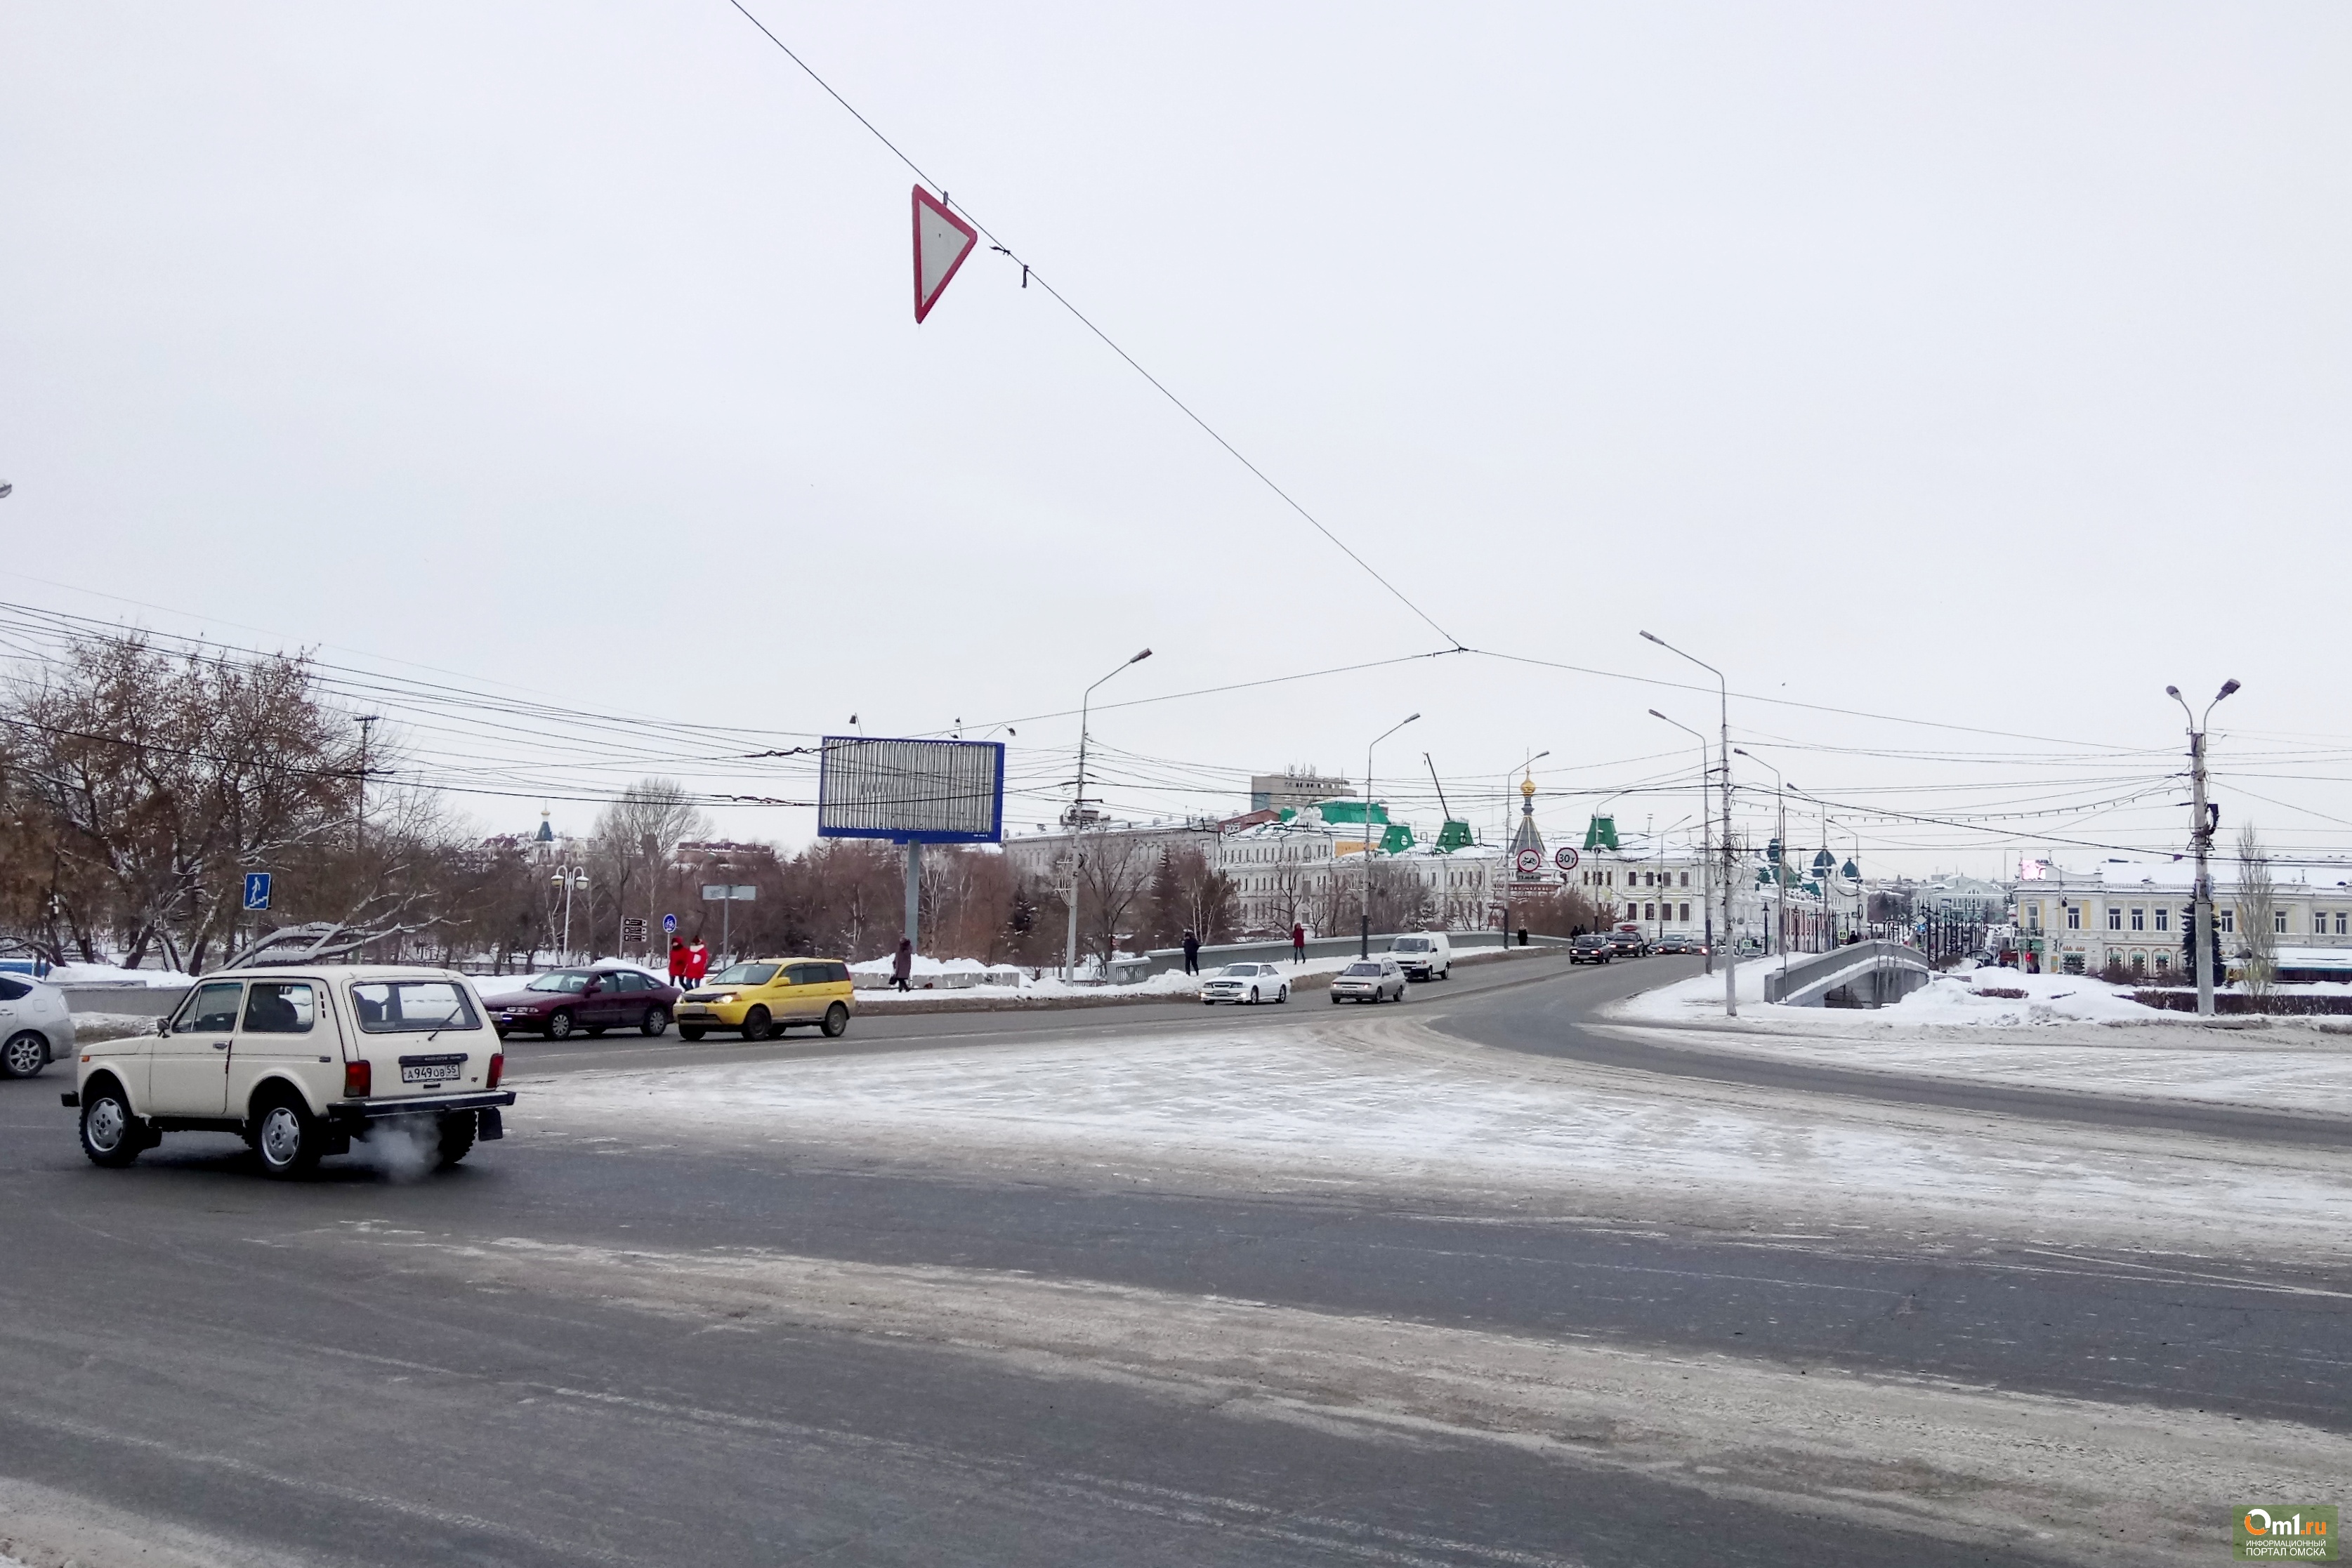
(2066, 1032)
(1388, 1105)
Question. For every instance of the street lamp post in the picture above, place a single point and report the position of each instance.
(568, 877)
(2200, 837)
(1730, 940)
(1780, 865)
(1078, 823)
(1366, 934)
(1707, 856)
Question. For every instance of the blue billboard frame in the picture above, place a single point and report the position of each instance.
(996, 833)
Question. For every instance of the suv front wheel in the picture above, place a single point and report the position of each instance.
(111, 1134)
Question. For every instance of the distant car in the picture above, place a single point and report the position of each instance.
(1368, 980)
(1246, 982)
(1627, 942)
(564, 1002)
(1673, 943)
(35, 1027)
(1424, 956)
(1592, 948)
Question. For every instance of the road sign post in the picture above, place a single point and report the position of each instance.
(727, 895)
(670, 925)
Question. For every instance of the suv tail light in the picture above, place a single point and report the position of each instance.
(497, 1068)
(358, 1080)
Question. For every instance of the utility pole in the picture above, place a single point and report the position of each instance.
(1078, 829)
(367, 723)
(1366, 934)
(2200, 838)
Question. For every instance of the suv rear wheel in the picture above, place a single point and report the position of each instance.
(837, 1021)
(457, 1136)
(24, 1054)
(287, 1137)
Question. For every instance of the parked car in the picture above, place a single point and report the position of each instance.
(1593, 948)
(1246, 982)
(299, 1061)
(35, 1027)
(563, 1002)
(1627, 941)
(1368, 980)
(1424, 956)
(765, 997)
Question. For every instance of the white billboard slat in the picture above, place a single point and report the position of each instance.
(927, 791)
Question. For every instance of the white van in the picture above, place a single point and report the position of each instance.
(1424, 956)
(298, 1062)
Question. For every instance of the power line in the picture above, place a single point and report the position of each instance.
(1030, 272)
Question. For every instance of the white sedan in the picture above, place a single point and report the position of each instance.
(1246, 982)
(35, 1027)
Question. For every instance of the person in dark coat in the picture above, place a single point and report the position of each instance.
(677, 965)
(1192, 954)
(1299, 943)
(902, 964)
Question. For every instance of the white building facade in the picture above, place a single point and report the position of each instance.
(2137, 914)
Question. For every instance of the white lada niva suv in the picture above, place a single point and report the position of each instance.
(299, 1061)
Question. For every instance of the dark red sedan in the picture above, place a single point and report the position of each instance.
(565, 1002)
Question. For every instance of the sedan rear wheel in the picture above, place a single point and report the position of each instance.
(24, 1054)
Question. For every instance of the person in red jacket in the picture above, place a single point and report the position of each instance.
(1299, 943)
(678, 961)
(697, 962)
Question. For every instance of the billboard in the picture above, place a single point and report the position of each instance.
(923, 791)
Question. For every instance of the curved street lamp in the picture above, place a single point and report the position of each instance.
(1366, 933)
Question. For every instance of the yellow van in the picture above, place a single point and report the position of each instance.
(765, 997)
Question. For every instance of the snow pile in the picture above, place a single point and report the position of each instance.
(114, 975)
(1168, 984)
(1983, 998)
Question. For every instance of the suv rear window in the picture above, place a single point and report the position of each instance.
(278, 1006)
(409, 1006)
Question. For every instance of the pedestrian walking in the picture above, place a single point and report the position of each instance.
(1192, 954)
(902, 964)
(678, 962)
(697, 962)
(1299, 943)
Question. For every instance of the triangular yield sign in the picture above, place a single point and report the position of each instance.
(941, 242)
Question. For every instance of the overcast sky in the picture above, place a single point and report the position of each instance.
(1976, 363)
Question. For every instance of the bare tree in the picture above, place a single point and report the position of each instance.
(2257, 915)
(633, 839)
(1113, 873)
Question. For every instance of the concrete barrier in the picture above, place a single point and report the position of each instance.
(1871, 972)
(142, 1001)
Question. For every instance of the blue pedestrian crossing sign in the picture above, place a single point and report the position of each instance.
(256, 890)
(670, 925)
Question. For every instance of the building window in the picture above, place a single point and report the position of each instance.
(2139, 920)
(1685, 916)
(2033, 918)
(2278, 920)
(1632, 910)
(1686, 883)
(2163, 961)
(2115, 917)
(2073, 964)
(2140, 961)
(2074, 920)
(2343, 927)
(2228, 916)
(2164, 920)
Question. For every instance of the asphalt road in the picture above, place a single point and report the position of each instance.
(203, 1350)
